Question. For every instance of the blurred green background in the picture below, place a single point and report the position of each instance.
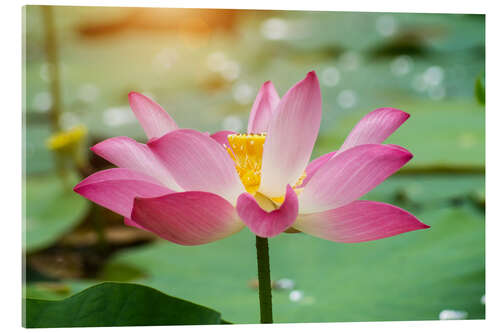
(205, 68)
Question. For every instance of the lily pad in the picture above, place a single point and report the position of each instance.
(117, 304)
(428, 190)
(38, 159)
(439, 134)
(55, 290)
(52, 209)
(412, 276)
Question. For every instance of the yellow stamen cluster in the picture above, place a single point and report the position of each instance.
(246, 152)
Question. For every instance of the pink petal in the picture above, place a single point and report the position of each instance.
(132, 223)
(266, 101)
(268, 224)
(116, 189)
(375, 127)
(291, 135)
(198, 163)
(221, 137)
(359, 221)
(154, 120)
(315, 165)
(127, 153)
(187, 218)
(350, 174)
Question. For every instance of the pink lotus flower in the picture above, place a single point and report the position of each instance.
(193, 188)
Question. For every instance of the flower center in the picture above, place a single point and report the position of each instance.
(246, 151)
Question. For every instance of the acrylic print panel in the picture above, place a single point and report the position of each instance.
(196, 166)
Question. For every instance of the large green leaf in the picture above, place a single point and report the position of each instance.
(52, 209)
(117, 304)
(439, 134)
(408, 277)
(429, 190)
(38, 159)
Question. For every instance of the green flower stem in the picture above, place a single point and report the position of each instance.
(53, 61)
(266, 305)
(55, 89)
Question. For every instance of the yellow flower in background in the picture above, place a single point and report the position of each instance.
(66, 140)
